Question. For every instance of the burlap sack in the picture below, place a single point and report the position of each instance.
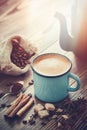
(7, 48)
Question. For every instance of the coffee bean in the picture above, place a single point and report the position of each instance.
(30, 83)
(3, 105)
(24, 122)
(32, 122)
(19, 56)
(44, 123)
(34, 115)
(8, 105)
(30, 94)
(30, 119)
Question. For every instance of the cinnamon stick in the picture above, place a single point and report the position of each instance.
(16, 102)
(23, 101)
(25, 108)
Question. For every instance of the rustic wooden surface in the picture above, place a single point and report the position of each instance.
(35, 20)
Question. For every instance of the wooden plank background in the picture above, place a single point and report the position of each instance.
(35, 20)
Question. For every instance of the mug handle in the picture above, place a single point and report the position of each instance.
(76, 78)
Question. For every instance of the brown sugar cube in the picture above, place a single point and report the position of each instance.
(65, 117)
(43, 113)
(38, 107)
(49, 107)
(59, 125)
(59, 110)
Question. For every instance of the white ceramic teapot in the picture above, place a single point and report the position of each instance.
(77, 41)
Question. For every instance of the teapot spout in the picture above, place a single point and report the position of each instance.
(65, 40)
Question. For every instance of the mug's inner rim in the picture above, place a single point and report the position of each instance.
(46, 75)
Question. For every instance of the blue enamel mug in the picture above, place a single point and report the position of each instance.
(51, 74)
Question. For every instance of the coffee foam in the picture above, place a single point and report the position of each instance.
(52, 64)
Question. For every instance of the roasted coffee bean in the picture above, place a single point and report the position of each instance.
(20, 49)
(19, 56)
(32, 122)
(25, 56)
(30, 119)
(3, 105)
(30, 83)
(24, 122)
(34, 115)
(44, 123)
(30, 94)
(14, 40)
(8, 105)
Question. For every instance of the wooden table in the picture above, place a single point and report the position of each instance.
(35, 19)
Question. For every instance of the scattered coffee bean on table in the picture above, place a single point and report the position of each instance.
(8, 105)
(30, 119)
(44, 122)
(32, 122)
(34, 115)
(31, 82)
(3, 105)
(24, 122)
(65, 114)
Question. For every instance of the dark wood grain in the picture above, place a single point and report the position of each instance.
(35, 20)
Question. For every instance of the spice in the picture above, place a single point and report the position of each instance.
(32, 122)
(44, 122)
(24, 122)
(8, 105)
(17, 87)
(76, 106)
(30, 118)
(30, 94)
(31, 82)
(34, 115)
(72, 110)
(3, 105)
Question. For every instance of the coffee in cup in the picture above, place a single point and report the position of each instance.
(51, 74)
(51, 64)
